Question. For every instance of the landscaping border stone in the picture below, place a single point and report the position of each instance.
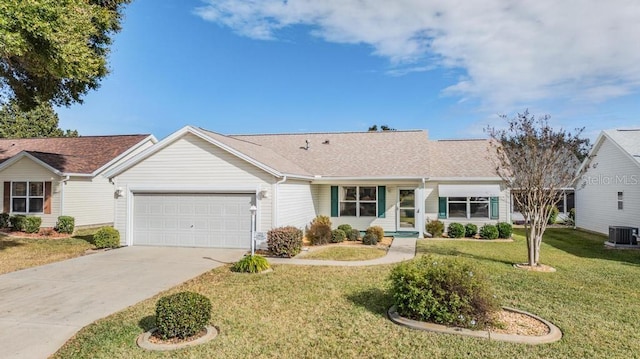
(144, 343)
(553, 336)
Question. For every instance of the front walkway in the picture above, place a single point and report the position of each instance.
(42, 307)
(401, 249)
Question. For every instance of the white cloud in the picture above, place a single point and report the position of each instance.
(511, 51)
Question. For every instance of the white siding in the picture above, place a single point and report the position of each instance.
(611, 171)
(27, 170)
(192, 163)
(431, 205)
(296, 204)
(388, 223)
(89, 200)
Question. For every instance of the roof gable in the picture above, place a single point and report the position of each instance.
(626, 140)
(85, 155)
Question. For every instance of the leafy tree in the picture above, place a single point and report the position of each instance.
(41, 121)
(374, 128)
(536, 162)
(55, 50)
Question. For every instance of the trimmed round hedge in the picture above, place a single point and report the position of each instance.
(182, 315)
(106, 237)
(455, 230)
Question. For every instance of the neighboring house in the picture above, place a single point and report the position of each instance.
(608, 193)
(49, 177)
(198, 188)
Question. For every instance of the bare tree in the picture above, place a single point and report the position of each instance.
(536, 163)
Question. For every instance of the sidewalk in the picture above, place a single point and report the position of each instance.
(401, 249)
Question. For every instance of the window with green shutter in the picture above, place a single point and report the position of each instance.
(495, 208)
(442, 207)
(334, 201)
(382, 196)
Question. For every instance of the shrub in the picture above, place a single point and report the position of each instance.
(444, 291)
(106, 237)
(553, 215)
(353, 235)
(489, 231)
(346, 228)
(435, 228)
(65, 224)
(18, 222)
(370, 238)
(322, 219)
(378, 231)
(4, 220)
(32, 224)
(319, 231)
(470, 230)
(284, 241)
(182, 315)
(572, 214)
(455, 230)
(505, 230)
(251, 264)
(338, 235)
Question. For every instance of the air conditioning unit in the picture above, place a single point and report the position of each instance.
(623, 235)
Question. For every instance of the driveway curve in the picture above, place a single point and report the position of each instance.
(42, 307)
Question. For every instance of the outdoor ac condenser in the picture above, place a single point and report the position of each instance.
(623, 235)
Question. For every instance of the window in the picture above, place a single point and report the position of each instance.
(468, 207)
(27, 197)
(358, 201)
(620, 204)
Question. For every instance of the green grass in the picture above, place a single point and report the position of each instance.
(339, 312)
(340, 253)
(21, 253)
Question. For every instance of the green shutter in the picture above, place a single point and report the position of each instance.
(382, 197)
(442, 207)
(495, 213)
(334, 201)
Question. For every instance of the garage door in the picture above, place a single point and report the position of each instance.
(192, 220)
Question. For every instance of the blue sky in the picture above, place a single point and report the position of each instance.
(272, 66)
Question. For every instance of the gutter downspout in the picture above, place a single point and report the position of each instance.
(274, 222)
(63, 183)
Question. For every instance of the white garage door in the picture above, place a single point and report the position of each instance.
(192, 220)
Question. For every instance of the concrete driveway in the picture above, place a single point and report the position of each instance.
(42, 307)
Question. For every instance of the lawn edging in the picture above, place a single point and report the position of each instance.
(553, 336)
(144, 343)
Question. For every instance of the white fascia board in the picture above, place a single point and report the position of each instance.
(464, 179)
(367, 178)
(23, 154)
(152, 188)
(596, 146)
(106, 166)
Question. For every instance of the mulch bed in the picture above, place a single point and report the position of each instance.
(44, 233)
(155, 339)
(519, 324)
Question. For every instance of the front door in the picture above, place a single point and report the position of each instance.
(406, 209)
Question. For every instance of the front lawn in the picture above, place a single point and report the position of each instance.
(21, 253)
(339, 312)
(345, 253)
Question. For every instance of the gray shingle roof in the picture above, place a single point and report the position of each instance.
(352, 154)
(461, 158)
(629, 140)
